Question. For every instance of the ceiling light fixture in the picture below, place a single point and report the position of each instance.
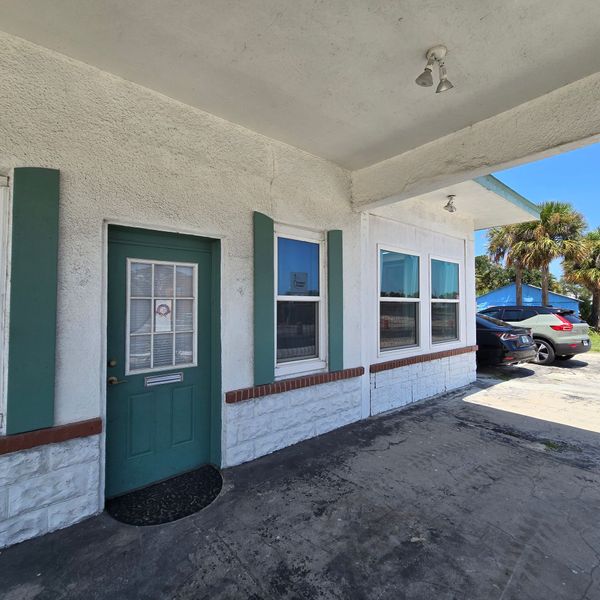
(450, 204)
(437, 54)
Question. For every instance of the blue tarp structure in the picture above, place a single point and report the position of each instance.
(532, 295)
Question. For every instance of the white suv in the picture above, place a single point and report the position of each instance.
(558, 333)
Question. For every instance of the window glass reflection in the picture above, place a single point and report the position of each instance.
(297, 267)
(399, 275)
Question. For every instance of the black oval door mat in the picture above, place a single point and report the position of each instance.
(168, 500)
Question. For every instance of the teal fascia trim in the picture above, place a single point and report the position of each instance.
(491, 183)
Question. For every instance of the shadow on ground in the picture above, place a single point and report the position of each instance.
(449, 499)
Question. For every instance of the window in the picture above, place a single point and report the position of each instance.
(512, 314)
(398, 300)
(161, 315)
(495, 313)
(444, 301)
(299, 305)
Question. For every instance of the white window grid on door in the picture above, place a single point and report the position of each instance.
(459, 319)
(399, 350)
(304, 365)
(152, 333)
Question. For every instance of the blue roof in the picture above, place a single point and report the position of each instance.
(528, 285)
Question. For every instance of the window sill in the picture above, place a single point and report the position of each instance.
(287, 385)
(299, 369)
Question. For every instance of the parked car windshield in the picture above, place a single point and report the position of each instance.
(570, 316)
(492, 320)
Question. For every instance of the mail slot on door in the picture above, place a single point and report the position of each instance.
(163, 379)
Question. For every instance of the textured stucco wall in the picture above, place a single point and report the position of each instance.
(564, 119)
(129, 155)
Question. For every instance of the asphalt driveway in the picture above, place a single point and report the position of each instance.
(490, 493)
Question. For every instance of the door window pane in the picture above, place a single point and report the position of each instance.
(140, 318)
(296, 330)
(444, 321)
(139, 352)
(141, 279)
(163, 315)
(397, 324)
(163, 350)
(297, 267)
(184, 351)
(163, 280)
(399, 275)
(184, 320)
(160, 315)
(184, 281)
(444, 280)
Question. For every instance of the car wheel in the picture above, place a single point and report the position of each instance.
(565, 357)
(544, 353)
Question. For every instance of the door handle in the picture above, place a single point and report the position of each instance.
(115, 381)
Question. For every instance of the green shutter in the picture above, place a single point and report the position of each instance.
(264, 290)
(335, 299)
(32, 331)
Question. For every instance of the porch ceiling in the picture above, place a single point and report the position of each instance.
(334, 78)
(485, 200)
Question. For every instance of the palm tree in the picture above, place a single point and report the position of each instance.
(501, 248)
(583, 267)
(556, 234)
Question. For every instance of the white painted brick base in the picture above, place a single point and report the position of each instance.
(257, 427)
(47, 488)
(398, 387)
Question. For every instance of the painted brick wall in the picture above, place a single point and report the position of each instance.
(398, 387)
(48, 488)
(257, 427)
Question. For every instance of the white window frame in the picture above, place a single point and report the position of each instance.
(5, 239)
(381, 352)
(461, 292)
(174, 366)
(307, 365)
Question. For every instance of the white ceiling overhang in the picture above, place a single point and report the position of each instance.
(334, 78)
(485, 201)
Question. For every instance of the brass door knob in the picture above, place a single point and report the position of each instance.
(115, 381)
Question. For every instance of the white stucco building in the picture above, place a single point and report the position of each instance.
(220, 237)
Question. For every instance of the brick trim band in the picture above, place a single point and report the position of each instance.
(413, 360)
(287, 385)
(49, 435)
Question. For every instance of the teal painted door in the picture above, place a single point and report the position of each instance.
(158, 357)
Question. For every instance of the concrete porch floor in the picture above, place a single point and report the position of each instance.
(458, 497)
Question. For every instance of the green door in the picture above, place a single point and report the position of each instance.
(159, 346)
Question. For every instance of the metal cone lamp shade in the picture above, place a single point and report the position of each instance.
(444, 84)
(425, 79)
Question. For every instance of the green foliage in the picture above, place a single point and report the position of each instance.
(491, 276)
(582, 267)
(532, 246)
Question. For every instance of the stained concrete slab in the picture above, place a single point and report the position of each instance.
(485, 493)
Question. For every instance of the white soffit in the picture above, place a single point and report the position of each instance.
(486, 201)
(334, 78)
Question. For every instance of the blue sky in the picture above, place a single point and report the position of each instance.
(570, 177)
